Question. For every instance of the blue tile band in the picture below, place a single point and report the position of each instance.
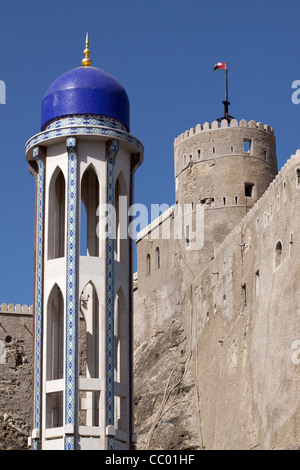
(39, 293)
(112, 153)
(71, 290)
(72, 130)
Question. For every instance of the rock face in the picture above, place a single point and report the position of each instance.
(16, 328)
(14, 433)
(165, 393)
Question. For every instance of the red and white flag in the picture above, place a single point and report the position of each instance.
(220, 66)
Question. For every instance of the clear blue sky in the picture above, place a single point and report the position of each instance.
(163, 53)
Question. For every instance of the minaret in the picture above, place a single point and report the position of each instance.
(83, 160)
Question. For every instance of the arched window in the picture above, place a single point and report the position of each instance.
(55, 332)
(56, 218)
(55, 356)
(121, 229)
(121, 338)
(89, 349)
(148, 265)
(89, 332)
(89, 241)
(157, 258)
(278, 254)
(121, 335)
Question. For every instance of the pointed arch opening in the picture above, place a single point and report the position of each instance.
(55, 334)
(89, 332)
(89, 351)
(89, 241)
(55, 356)
(121, 328)
(56, 215)
(121, 338)
(121, 212)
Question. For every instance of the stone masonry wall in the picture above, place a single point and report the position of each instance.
(247, 322)
(16, 336)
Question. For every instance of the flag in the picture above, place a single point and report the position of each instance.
(220, 66)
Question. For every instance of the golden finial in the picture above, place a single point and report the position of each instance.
(86, 62)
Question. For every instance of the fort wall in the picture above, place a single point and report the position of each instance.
(247, 321)
(240, 317)
(16, 363)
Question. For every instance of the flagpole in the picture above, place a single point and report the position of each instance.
(226, 84)
(226, 102)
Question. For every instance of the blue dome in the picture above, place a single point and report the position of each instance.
(85, 90)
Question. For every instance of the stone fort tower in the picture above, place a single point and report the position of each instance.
(224, 167)
(83, 158)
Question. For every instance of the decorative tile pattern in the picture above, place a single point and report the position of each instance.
(69, 443)
(114, 147)
(71, 300)
(39, 293)
(86, 120)
(83, 130)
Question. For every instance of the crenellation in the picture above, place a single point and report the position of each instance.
(215, 125)
(267, 128)
(260, 126)
(18, 308)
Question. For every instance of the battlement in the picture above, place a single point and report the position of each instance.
(215, 125)
(19, 309)
(219, 140)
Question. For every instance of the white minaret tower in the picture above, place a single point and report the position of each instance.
(83, 160)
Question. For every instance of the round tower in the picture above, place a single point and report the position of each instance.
(83, 159)
(226, 168)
